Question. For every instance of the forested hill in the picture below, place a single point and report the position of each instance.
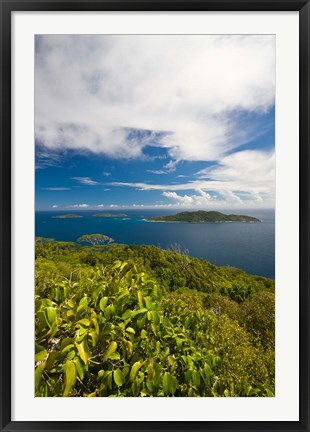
(203, 216)
(121, 320)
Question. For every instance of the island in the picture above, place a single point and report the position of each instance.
(68, 216)
(118, 215)
(95, 239)
(202, 216)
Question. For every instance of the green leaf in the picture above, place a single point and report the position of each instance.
(207, 371)
(109, 311)
(123, 266)
(140, 311)
(128, 347)
(71, 303)
(130, 330)
(83, 350)
(51, 316)
(40, 356)
(134, 370)
(103, 302)
(84, 301)
(94, 338)
(167, 384)
(269, 393)
(127, 314)
(196, 378)
(51, 360)
(79, 367)
(65, 341)
(108, 377)
(123, 293)
(143, 334)
(47, 302)
(42, 317)
(101, 374)
(111, 349)
(155, 317)
(67, 348)
(38, 374)
(70, 377)
(94, 394)
(118, 377)
(38, 348)
(115, 356)
(150, 369)
(140, 298)
(148, 302)
(141, 321)
(116, 264)
(83, 322)
(70, 355)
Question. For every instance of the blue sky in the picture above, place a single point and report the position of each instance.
(180, 122)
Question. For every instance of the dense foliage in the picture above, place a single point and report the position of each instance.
(203, 216)
(121, 320)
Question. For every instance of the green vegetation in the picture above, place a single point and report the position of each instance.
(68, 216)
(203, 216)
(119, 320)
(95, 239)
(110, 215)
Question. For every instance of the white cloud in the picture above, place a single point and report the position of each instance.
(86, 181)
(78, 206)
(159, 172)
(54, 206)
(201, 200)
(91, 90)
(56, 188)
(248, 167)
(246, 177)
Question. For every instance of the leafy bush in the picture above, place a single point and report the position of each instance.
(107, 327)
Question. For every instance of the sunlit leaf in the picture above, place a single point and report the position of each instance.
(83, 350)
(70, 377)
(40, 356)
(103, 302)
(38, 374)
(111, 349)
(134, 370)
(118, 377)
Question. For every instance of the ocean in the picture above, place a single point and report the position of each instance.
(248, 246)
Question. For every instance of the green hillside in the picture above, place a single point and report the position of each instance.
(119, 320)
(68, 216)
(203, 216)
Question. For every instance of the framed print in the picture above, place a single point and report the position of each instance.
(154, 215)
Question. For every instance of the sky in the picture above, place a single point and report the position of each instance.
(154, 121)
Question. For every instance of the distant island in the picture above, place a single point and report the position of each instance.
(203, 216)
(67, 216)
(110, 215)
(95, 239)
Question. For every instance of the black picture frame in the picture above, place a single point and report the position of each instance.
(6, 8)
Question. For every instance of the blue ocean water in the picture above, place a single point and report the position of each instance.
(248, 246)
